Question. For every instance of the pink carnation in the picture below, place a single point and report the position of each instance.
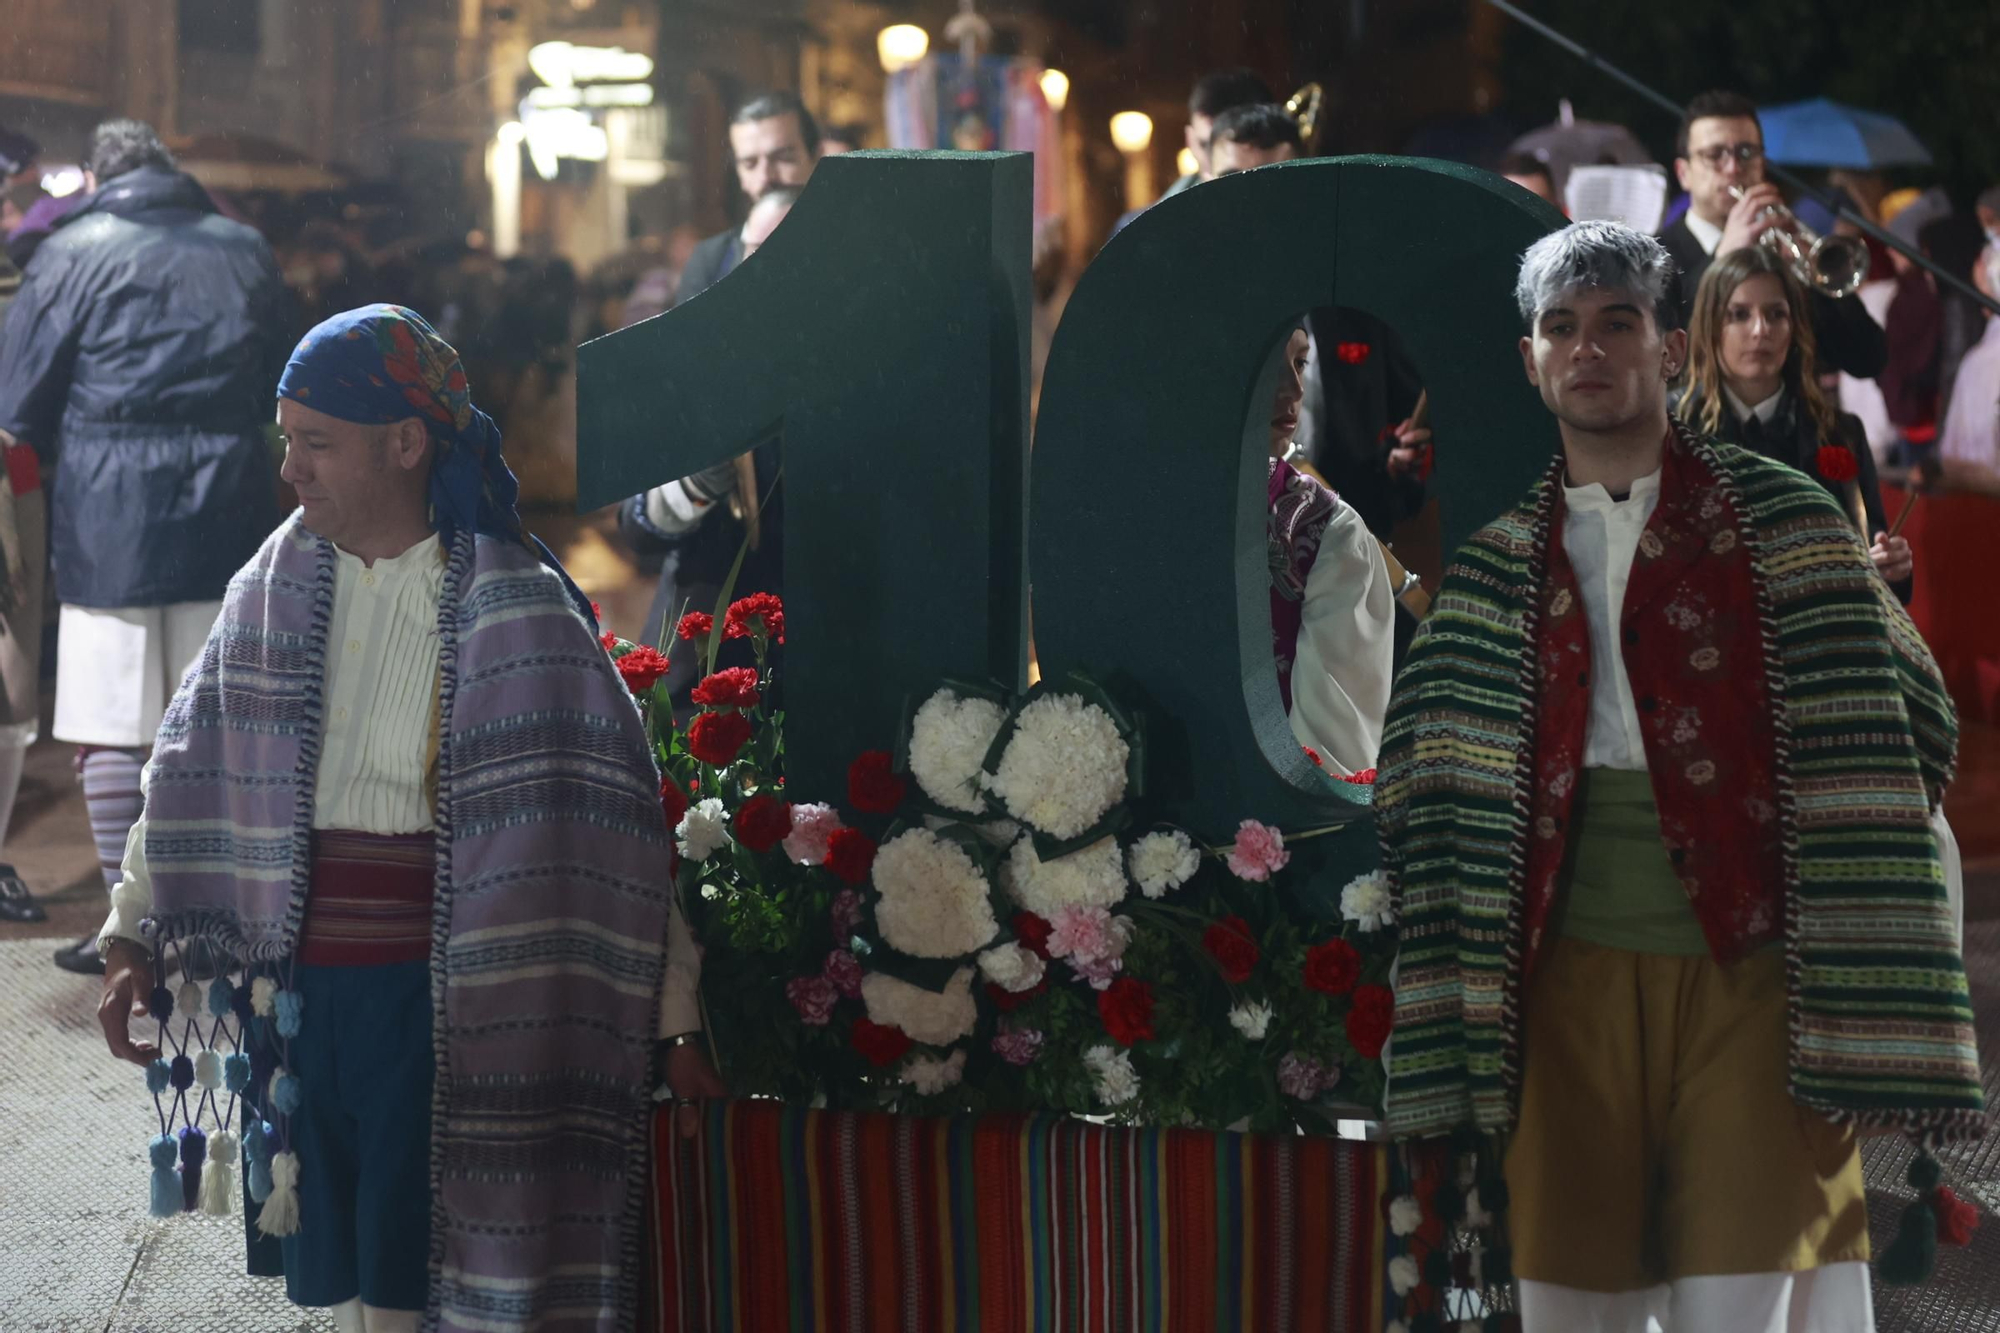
(846, 914)
(1018, 1048)
(1259, 850)
(843, 969)
(1092, 940)
(814, 998)
(812, 825)
(1304, 1078)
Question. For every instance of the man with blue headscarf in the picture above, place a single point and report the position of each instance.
(406, 796)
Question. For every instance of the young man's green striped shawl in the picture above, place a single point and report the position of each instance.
(1881, 1023)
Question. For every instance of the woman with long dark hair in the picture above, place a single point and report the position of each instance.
(1752, 380)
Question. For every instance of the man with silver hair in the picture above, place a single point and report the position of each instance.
(1713, 945)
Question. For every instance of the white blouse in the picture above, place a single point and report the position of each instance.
(1344, 661)
(380, 699)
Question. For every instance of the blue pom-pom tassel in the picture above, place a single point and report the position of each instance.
(161, 1003)
(257, 1150)
(286, 1093)
(290, 1005)
(181, 1073)
(164, 1152)
(157, 1075)
(236, 1072)
(194, 1151)
(220, 993)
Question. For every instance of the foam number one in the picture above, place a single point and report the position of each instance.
(882, 332)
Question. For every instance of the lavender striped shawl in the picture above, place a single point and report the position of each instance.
(551, 906)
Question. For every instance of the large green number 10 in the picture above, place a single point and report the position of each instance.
(883, 333)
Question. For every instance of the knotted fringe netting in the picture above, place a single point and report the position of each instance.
(222, 1064)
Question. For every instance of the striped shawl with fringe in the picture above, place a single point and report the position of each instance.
(550, 914)
(1880, 1018)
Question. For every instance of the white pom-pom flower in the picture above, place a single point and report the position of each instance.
(934, 901)
(1063, 768)
(1403, 1274)
(1013, 968)
(1252, 1018)
(949, 738)
(703, 829)
(1091, 877)
(1405, 1214)
(930, 1076)
(1365, 901)
(1117, 1082)
(1162, 862)
(935, 1018)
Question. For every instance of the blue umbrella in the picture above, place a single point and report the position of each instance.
(1824, 133)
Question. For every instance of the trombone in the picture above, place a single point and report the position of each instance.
(1836, 265)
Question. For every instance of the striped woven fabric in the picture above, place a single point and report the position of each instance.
(776, 1217)
(370, 901)
(1881, 1022)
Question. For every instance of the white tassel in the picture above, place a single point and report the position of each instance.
(280, 1214)
(218, 1182)
(188, 1003)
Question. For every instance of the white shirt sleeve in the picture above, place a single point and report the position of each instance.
(132, 900)
(672, 510)
(1345, 656)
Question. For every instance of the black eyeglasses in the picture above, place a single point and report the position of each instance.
(1744, 153)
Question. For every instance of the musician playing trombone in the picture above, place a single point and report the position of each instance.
(1720, 163)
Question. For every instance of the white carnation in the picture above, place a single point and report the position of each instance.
(1251, 1018)
(1013, 968)
(1063, 768)
(1403, 1274)
(1405, 1214)
(930, 1076)
(1365, 901)
(703, 829)
(1117, 1081)
(1092, 877)
(949, 738)
(934, 901)
(1162, 862)
(935, 1018)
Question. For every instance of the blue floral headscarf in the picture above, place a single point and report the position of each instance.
(385, 363)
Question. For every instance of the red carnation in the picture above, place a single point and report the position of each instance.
(1332, 968)
(871, 787)
(878, 1043)
(1956, 1219)
(763, 822)
(1007, 1001)
(1836, 463)
(1369, 1020)
(715, 738)
(640, 668)
(734, 687)
(1364, 778)
(610, 642)
(1126, 1006)
(759, 614)
(850, 854)
(673, 803)
(695, 625)
(1230, 943)
(1032, 933)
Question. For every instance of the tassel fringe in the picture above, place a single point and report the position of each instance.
(280, 1214)
(1913, 1254)
(164, 1152)
(218, 1185)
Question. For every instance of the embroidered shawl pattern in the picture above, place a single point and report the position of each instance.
(550, 913)
(1880, 1018)
(1299, 509)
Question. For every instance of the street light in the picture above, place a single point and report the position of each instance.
(1132, 131)
(1184, 162)
(901, 45)
(1055, 89)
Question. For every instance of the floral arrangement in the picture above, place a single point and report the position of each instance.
(987, 922)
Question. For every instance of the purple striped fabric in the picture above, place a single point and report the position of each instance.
(550, 914)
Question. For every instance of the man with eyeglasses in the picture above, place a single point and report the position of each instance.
(1720, 148)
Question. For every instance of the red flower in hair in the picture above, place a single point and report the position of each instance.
(878, 1043)
(850, 854)
(1836, 462)
(716, 738)
(695, 625)
(641, 668)
(759, 613)
(1126, 1007)
(872, 787)
(733, 687)
(1230, 943)
(763, 822)
(1352, 353)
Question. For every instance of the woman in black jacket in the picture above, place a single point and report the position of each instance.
(1752, 381)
